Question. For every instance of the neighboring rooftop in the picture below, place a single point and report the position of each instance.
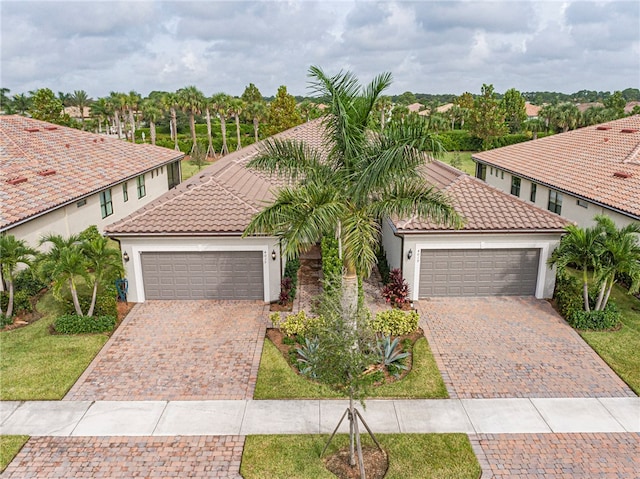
(600, 163)
(44, 166)
(222, 199)
(532, 110)
(484, 207)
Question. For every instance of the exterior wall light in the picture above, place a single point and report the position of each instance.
(410, 254)
(125, 257)
(273, 255)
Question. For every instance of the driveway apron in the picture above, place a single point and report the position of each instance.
(179, 350)
(515, 347)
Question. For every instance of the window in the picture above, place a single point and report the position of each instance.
(141, 188)
(481, 171)
(555, 202)
(81, 203)
(125, 192)
(491, 171)
(582, 203)
(534, 190)
(502, 175)
(173, 174)
(515, 185)
(106, 206)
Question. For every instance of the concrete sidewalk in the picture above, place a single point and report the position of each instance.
(244, 417)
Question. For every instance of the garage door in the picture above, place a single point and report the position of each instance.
(203, 275)
(486, 272)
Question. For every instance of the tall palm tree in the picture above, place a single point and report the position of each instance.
(236, 106)
(12, 253)
(101, 111)
(191, 100)
(581, 247)
(207, 105)
(21, 103)
(103, 262)
(152, 112)
(347, 190)
(80, 100)
(132, 101)
(257, 111)
(220, 104)
(118, 102)
(170, 102)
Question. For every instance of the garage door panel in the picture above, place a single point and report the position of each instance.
(487, 272)
(203, 275)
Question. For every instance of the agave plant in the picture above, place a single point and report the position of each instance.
(308, 357)
(390, 355)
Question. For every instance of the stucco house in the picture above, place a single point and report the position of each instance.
(60, 180)
(188, 243)
(578, 174)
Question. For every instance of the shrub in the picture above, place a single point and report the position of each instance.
(459, 140)
(568, 295)
(331, 265)
(90, 233)
(286, 285)
(383, 265)
(25, 280)
(390, 355)
(298, 324)
(106, 302)
(291, 274)
(596, 320)
(396, 292)
(394, 322)
(21, 301)
(73, 324)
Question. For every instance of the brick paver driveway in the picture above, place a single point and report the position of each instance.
(179, 350)
(513, 347)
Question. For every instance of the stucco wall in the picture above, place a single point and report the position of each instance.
(545, 242)
(570, 208)
(134, 246)
(392, 245)
(72, 219)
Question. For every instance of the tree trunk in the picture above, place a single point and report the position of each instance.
(118, 124)
(74, 296)
(174, 122)
(223, 130)
(210, 151)
(603, 287)
(237, 118)
(192, 125)
(352, 434)
(132, 121)
(94, 296)
(350, 294)
(10, 304)
(152, 129)
(606, 297)
(585, 289)
(256, 126)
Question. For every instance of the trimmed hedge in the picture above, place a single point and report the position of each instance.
(596, 320)
(568, 295)
(331, 265)
(291, 271)
(298, 324)
(73, 324)
(106, 302)
(394, 322)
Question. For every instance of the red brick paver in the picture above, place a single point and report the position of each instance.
(554, 456)
(127, 457)
(179, 350)
(513, 347)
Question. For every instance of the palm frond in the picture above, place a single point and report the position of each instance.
(287, 158)
(360, 238)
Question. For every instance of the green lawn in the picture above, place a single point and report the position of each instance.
(467, 164)
(411, 456)
(36, 365)
(276, 379)
(9, 447)
(621, 349)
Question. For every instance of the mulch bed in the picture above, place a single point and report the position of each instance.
(277, 338)
(376, 463)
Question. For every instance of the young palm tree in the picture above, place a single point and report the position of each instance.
(350, 188)
(220, 104)
(207, 105)
(101, 111)
(190, 100)
(80, 100)
(170, 102)
(132, 101)
(21, 103)
(152, 111)
(103, 263)
(12, 253)
(118, 104)
(581, 247)
(257, 111)
(236, 106)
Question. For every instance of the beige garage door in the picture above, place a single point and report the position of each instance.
(203, 275)
(486, 272)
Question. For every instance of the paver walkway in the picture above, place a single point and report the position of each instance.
(174, 350)
(513, 347)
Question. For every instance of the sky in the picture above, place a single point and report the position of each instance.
(222, 46)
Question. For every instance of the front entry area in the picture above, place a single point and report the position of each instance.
(478, 272)
(222, 275)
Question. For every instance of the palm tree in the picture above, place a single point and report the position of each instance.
(152, 112)
(80, 100)
(12, 253)
(102, 261)
(580, 247)
(190, 100)
(207, 104)
(349, 189)
(170, 102)
(132, 100)
(257, 111)
(620, 255)
(383, 105)
(5, 101)
(21, 103)
(236, 106)
(220, 104)
(101, 111)
(118, 102)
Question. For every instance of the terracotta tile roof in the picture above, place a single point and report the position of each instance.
(483, 207)
(43, 166)
(532, 110)
(600, 163)
(221, 199)
(415, 107)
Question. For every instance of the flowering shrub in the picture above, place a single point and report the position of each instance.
(396, 292)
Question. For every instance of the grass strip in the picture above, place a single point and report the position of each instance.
(9, 447)
(411, 456)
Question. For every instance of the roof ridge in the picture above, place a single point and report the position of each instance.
(634, 156)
